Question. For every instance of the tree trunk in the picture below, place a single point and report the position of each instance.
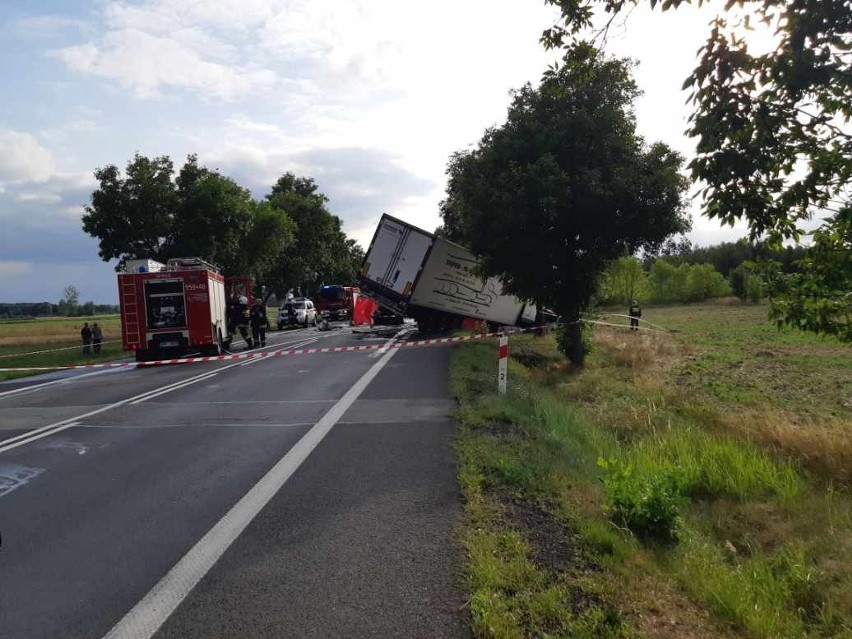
(572, 339)
(539, 319)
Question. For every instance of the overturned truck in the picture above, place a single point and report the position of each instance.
(416, 274)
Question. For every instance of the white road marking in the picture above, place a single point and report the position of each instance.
(387, 345)
(146, 617)
(51, 430)
(175, 387)
(64, 380)
(206, 424)
(293, 345)
(13, 476)
(56, 427)
(69, 380)
(263, 401)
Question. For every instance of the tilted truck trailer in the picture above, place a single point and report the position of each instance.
(168, 310)
(413, 273)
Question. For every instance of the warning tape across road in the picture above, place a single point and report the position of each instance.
(275, 353)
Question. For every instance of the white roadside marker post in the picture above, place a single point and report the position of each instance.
(503, 364)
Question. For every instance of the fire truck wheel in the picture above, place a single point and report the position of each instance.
(142, 356)
(214, 350)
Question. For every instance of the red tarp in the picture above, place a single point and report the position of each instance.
(364, 309)
(473, 325)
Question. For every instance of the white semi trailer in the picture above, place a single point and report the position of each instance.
(413, 273)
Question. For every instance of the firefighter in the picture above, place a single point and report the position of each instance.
(259, 322)
(635, 312)
(244, 320)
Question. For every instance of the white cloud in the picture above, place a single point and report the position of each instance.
(40, 197)
(146, 63)
(23, 159)
(10, 268)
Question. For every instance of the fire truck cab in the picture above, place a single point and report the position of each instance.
(169, 310)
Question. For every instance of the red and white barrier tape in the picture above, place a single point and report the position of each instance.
(276, 353)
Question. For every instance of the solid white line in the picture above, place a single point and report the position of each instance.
(136, 399)
(205, 425)
(263, 401)
(26, 435)
(293, 345)
(176, 387)
(71, 421)
(146, 617)
(42, 433)
(64, 380)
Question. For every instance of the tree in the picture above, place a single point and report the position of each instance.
(772, 129)
(321, 252)
(818, 298)
(70, 300)
(148, 214)
(565, 187)
(132, 216)
(705, 282)
(212, 218)
(270, 236)
(667, 283)
(622, 281)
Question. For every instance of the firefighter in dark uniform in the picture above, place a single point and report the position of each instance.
(244, 321)
(259, 322)
(635, 312)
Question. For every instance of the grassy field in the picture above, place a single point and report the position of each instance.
(20, 339)
(685, 484)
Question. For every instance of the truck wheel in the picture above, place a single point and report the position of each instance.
(142, 356)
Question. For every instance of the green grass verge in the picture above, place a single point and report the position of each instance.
(53, 359)
(758, 547)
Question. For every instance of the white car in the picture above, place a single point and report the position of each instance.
(297, 312)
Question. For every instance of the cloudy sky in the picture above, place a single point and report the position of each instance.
(369, 97)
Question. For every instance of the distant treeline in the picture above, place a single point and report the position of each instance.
(686, 274)
(46, 309)
(726, 257)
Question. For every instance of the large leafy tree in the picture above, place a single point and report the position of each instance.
(213, 217)
(266, 244)
(774, 147)
(321, 252)
(565, 187)
(149, 213)
(132, 215)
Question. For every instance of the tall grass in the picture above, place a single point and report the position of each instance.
(710, 466)
(767, 550)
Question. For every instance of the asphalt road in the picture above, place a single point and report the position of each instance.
(299, 496)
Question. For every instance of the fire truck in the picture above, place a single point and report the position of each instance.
(335, 302)
(171, 309)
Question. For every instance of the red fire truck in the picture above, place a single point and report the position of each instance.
(168, 310)
(335, 302)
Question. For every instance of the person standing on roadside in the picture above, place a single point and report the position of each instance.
(86, 335)
(259, 322)
(635, 312)
(97, 337)
(244, 321)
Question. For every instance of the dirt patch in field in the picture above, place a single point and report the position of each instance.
(502, 430)
(555, 548)
(660, 611)
(530, 358)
